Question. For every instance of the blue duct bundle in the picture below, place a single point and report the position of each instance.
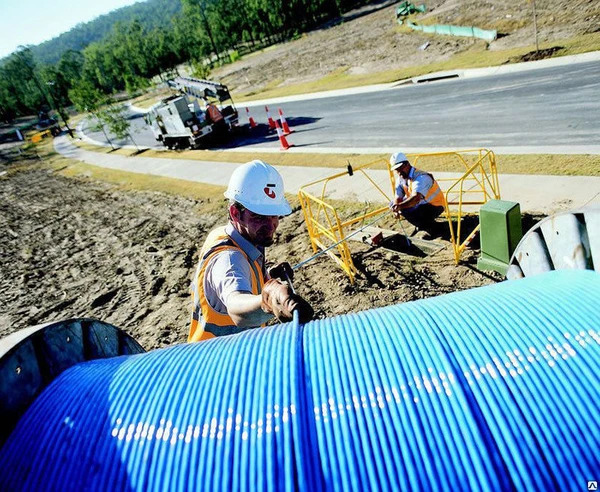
(494, 388)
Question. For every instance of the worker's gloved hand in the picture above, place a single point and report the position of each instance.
(279, 300)
(283, 272)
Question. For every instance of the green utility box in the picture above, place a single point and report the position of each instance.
(500, 233)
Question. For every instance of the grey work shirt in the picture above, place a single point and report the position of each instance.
(229, 271)
(421, 184)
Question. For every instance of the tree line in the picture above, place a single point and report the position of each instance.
(151, 14)
(200, 33)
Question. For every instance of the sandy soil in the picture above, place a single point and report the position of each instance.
(369, 40)
(75, 247)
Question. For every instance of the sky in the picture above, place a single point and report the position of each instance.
(24, 22)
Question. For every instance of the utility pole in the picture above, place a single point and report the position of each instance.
(537, 46)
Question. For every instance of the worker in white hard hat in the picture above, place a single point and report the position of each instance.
(419, 198)
(231, 290)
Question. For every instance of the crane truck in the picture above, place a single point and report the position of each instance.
(180, 122)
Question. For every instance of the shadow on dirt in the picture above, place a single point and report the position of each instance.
(355, 14)
(537, 55)
(402, 244)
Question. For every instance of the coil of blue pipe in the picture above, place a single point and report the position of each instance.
(493, 388)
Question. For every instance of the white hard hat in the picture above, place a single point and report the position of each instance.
(397, 159)
(259, 187)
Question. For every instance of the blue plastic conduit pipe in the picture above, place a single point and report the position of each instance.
(489, 389)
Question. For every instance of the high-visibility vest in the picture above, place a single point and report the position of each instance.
(214, 113)
(434, 197)
(206, 322)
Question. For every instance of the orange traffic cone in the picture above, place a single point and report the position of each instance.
(284, 143)
(250, 119)
(284, 124)
(271, 122)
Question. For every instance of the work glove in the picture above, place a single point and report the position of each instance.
(279, 300)
(283, 272)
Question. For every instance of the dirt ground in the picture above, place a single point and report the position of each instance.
(369, 40)
(80, 248)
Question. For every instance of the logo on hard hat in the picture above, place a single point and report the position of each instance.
(269, 192)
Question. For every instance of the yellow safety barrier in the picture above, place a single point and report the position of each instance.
(37, 138)
(464, 193)
(324, 224)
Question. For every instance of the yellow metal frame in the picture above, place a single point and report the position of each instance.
(478, 184)
(325, 227)
(37, 137)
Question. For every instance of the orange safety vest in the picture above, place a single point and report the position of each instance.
(434, 197)
(206, 322)
(214, 113)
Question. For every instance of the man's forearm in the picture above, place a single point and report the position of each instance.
(407, 202)
(245, 310)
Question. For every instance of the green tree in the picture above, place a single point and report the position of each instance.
(192, 43)
(129, 56)
(70, 67)
(8, 102)
(20, 78)
(164, 49)
(56, 89)
(198, 12)
(89, 99)
(98, 69)
(115, 118)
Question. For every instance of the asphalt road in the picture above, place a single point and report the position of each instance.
(550, 108)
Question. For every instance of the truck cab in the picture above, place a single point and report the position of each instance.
(180, 122)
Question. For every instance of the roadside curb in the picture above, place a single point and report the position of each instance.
(510, 68)
(82, 136)
(537, 193)
(436, 76)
